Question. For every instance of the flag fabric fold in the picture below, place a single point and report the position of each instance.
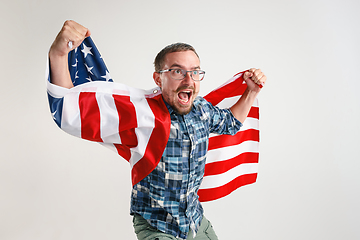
(135, 123)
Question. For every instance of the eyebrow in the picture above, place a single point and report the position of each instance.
(179, 66)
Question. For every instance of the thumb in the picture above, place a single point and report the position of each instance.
(247, 75)
(88, 33)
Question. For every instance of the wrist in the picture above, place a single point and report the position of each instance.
(251, 92)
(56, 56)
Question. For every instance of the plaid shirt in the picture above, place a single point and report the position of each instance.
(167, 198)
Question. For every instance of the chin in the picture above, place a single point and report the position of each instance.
(182, 110)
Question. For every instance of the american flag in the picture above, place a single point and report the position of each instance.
(135, 123)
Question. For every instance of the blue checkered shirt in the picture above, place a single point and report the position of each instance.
(167, 198)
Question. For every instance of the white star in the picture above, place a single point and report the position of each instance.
(76, 61)
(86, 50)
(76, 76)
(107, 76)
(89, 79)
(53, 114)
(89, 69)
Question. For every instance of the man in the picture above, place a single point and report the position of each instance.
(165, 203)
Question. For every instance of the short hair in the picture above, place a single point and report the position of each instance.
(175, 47)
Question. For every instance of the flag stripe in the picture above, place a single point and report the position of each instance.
(229, 152)
(127, 120)
(230, 89)
(70, 119)
(253, 113)
(90, 117)
(109, 120)
(145, 118)
(250, 123)
(221, 141)
(229, 101)
(126, 112)
(222, 179)
(220, 167)
(123, 151)
(211, 194)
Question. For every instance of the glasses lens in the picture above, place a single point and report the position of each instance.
(198, 75)
(177, 74)
(195, 75)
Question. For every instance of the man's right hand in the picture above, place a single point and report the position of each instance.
(58, 54)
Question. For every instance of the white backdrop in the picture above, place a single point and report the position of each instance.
(54, 186)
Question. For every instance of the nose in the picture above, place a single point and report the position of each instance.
(188, 77)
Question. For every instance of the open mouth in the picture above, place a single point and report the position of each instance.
(184, 96)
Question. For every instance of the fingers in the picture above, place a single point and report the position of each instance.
(70, 37)
(74, 32)
(256, 75)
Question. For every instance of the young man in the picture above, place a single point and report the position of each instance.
(165, 203)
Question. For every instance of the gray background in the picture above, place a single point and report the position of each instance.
(54, 186)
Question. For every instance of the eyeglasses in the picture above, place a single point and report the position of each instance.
(180, 74)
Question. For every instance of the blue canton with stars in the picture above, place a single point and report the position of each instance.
(85, 65)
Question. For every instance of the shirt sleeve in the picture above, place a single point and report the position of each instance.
(221, 121)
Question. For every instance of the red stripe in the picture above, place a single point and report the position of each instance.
(220, 167)
(254, 112)
(123, 151)
(90, 117)
(126, 111)
(129, 138)
(232, 89)
(211, 194)
(127, 124)
(157, 141)
(221, 141)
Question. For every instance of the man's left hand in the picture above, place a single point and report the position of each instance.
(255, 79)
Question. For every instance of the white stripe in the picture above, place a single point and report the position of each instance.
(70, 119)
(146, 123)
(228, 81)
(56, 91)
(229, 102)
(225, 153)
(214, 181)
(109, 117)
(250, 123)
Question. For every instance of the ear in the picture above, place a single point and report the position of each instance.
(157, 79)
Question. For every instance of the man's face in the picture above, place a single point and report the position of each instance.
(179, 94)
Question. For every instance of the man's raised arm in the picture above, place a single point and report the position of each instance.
(58, 55)
(254, 79)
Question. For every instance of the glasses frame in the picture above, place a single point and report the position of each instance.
(184, 73)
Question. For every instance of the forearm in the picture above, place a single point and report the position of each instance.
(59, 71)
(58, 54)
(241, 108)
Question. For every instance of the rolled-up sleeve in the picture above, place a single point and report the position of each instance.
(221, 121)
